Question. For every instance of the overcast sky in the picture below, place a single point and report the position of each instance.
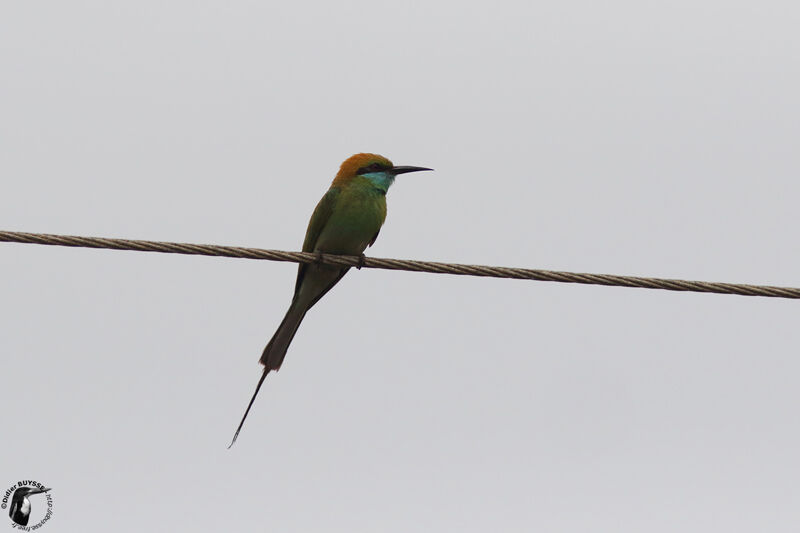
(626, 137)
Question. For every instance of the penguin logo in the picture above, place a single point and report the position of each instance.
(20, 508)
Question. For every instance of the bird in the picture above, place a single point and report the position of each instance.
(20, 509)
(346, 221)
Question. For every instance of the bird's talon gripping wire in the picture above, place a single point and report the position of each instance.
(319, 259)
(362, 260)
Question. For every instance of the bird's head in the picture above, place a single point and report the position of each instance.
(376, 168)
(28, 491)
(23, 492)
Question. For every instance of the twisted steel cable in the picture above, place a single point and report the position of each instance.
(401, 264)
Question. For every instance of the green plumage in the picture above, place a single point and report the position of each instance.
(346, 221)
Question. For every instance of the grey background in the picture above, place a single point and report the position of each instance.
(636, 138)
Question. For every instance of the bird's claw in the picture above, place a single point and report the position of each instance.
(362, 260)
(319, 259)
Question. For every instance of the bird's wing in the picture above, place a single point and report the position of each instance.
(320, 217)
(322, 213)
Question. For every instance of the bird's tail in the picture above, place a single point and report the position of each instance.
(249, 405)
(273, 355)
(276, 348)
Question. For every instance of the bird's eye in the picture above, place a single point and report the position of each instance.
(372, 167)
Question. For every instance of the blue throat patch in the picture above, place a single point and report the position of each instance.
(381, 180)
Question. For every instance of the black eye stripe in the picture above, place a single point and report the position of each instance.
(374, 167)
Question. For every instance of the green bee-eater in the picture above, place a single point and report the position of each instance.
(346, 221)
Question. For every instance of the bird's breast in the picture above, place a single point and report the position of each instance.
(356, 219)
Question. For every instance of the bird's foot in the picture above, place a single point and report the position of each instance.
(362, 260)
(319, 259)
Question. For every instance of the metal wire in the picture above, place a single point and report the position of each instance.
(401, 264)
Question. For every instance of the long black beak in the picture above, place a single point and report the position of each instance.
(403, 170)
